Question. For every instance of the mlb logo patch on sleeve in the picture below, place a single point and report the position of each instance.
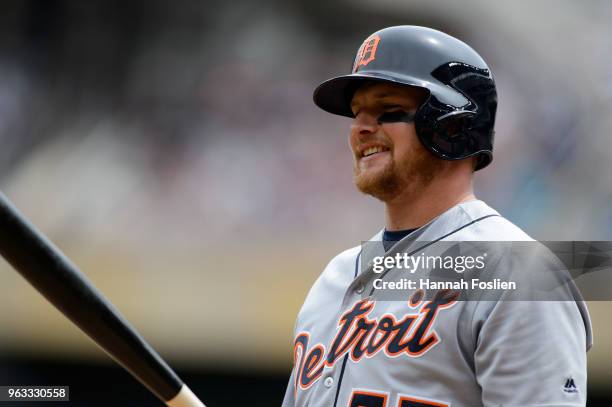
(570, 387)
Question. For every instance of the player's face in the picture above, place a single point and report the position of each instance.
(388, 156)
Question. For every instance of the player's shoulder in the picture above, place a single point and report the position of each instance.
(340, 270)
(344, 261)
(481, 222)
(330, 286)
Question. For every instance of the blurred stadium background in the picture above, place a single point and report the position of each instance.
(172, 150)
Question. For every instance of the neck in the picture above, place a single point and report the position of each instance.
(415, 207)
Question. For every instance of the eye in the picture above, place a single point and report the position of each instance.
(396, 116)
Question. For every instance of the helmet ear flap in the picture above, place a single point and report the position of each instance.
(456, 132)
(445, 134)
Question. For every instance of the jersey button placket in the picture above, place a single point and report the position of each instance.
(328, 382)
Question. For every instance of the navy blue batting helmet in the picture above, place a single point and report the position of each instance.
(456, 119)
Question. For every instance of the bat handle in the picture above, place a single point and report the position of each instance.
(185, 398)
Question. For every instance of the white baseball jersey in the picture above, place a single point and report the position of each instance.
(351, 350)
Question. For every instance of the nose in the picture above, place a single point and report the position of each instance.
(364, 124)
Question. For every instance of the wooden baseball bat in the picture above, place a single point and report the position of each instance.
(46, 268)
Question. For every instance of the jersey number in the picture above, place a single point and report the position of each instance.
(362, 398)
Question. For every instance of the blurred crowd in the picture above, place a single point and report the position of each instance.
(199, 117)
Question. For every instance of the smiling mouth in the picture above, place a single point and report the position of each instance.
(373, 150)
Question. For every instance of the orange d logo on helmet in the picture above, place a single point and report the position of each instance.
(367, 52)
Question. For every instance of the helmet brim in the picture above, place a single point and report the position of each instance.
(335, 94)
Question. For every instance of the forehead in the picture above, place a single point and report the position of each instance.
(377, 91)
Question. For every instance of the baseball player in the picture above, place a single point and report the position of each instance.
(423, 107)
